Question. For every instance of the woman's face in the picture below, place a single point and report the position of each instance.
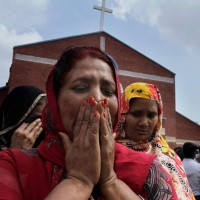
(35, 113)
(141, 119)
(88, 77)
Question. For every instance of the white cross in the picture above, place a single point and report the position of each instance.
(103, 9)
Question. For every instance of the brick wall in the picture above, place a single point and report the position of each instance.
(187, 130)
(129, 60)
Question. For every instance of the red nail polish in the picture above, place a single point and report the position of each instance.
(83, 103)
(93, 103)
(106, 102)
(91, 99)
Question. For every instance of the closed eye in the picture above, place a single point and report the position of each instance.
(108, 88)
(80, 88)
(108, 92)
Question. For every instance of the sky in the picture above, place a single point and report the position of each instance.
(167, 31)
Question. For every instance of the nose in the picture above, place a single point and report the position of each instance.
(143, 122)
(96, 93)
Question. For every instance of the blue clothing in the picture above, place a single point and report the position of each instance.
(192, 169)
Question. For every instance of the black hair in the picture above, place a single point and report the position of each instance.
(179, 152)
(189, 150)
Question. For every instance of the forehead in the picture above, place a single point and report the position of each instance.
(89, 67)
(143, 104)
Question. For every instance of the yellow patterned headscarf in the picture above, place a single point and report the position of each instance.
(144, 91)
(155, 144)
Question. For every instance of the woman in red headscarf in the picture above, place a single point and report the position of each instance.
(78, 159)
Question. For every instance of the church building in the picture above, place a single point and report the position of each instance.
(32, 62)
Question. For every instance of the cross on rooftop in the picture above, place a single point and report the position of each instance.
(103, 9)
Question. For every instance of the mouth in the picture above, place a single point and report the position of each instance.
(142, 132)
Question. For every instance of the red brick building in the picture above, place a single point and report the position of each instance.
(32, 63)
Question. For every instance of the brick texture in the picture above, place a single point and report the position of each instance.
(32, 73)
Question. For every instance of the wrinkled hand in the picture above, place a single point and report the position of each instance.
(83, 154)
(107, 146)
(24, 136)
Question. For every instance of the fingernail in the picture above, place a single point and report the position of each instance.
(84, 103)
(93, 103)
(91, 99)
(106, 102)
(104, 114)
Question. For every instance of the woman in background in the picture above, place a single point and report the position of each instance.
(20, 118)
(141, 121)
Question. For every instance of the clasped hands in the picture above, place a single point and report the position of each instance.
(89, 158)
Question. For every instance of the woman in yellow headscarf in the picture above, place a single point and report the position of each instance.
(141, 120)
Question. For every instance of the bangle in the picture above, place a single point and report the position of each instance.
(141, 197)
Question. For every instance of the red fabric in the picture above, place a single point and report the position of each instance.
(24, 176)
(132, 167)
(29, 176)
(51, 111)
